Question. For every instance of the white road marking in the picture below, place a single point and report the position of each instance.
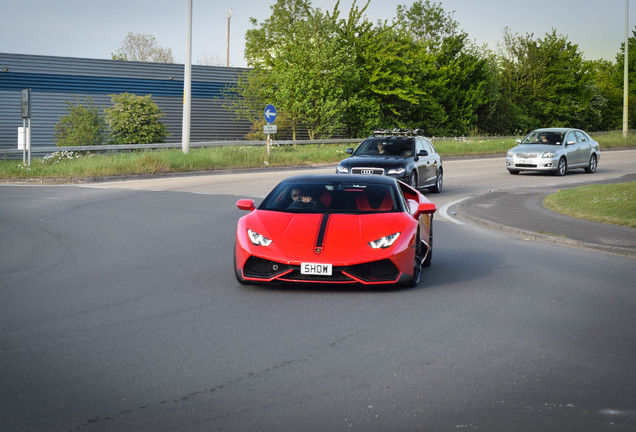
(443, 211)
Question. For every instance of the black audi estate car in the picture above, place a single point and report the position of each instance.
(403, 154)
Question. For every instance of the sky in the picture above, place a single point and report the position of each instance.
(96, 29)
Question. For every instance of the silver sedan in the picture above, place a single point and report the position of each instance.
(554, 150)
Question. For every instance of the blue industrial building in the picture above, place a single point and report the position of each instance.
(56, 80)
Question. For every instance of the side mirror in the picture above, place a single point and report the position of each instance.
(349, 150)
(422, 208)
(426, 208)
(518, 141)
(245, 204)
(569, 143)
(423, 153)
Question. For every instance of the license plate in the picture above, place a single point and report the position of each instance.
(524, 161)
(315, 269)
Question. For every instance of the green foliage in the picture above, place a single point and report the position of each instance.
(135, 120)
(427, 23)
(619, 72)
(607, 98)
(342, 74)
(81, 126)
(547, 80)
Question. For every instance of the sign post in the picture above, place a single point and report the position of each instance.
(26, 124)
(269, 128)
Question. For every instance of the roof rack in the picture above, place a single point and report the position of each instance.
(397, 132)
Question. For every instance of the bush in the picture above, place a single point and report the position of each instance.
(135, 120)
(82, 126)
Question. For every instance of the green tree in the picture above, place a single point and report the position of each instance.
(388, 84)
(427, 23)
(298, 55)
(607, 100)
(81, 126)
(135, 120)
(450, 73)
(547, 80)
(142, 48)
(265, 42)
(618, 77)
(313, 75)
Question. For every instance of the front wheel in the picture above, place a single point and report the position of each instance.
(562, 168)
(591, 167)
(417, 262)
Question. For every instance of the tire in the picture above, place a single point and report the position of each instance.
(591, 168)
(513, 171)
(417, 263)
(562, 167)
(429, 257)
(413, 180)
(439, 182)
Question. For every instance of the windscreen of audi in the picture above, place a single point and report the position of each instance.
(334, 229)
(554, 150)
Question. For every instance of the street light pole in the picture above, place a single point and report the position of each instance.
(187, 86)
(227, 56)
(625, 75)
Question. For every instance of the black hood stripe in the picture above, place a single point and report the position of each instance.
(320, 237)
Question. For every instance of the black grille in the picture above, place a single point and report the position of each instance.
(262, 268)
(375, 271)
(367, 171)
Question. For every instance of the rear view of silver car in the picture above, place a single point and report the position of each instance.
(556, 150)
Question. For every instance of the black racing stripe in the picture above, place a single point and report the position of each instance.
(320, 238)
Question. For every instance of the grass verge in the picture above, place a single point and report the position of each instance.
(73, 165)
(608, 203)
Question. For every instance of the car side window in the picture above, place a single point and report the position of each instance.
(581, 136)
(428, 146)
(570, 137)
(419, 146)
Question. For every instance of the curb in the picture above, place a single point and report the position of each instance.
(531, 235)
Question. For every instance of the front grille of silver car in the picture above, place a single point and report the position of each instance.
(367, 171)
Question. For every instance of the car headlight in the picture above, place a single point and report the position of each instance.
(510, 154)
(384, 242)
(258, 239)
(397, 171)
(342, 169)
(548, 154)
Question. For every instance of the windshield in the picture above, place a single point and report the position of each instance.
(333, 197)
(543, 137)
(386, 146)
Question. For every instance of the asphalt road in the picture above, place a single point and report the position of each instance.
(119, 311)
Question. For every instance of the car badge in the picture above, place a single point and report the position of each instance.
(318, 250)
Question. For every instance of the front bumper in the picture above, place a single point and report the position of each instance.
(531, 164)
(383, 271)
